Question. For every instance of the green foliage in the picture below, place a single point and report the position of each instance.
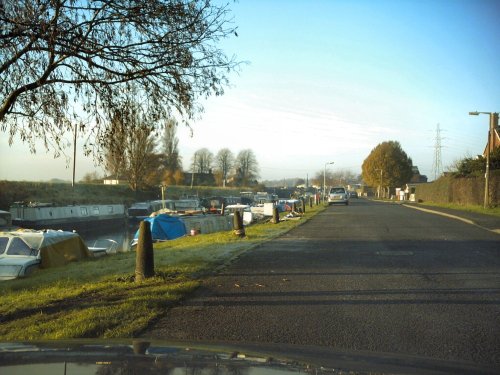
(469, 166)
(389, 160)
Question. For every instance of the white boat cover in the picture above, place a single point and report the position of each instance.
(57, 248)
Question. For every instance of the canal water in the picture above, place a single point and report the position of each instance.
(122, 235)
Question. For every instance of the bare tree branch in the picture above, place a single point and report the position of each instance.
(66, 62)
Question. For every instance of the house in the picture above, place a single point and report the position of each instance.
(417, 177)
(114, 180)
(494, 140)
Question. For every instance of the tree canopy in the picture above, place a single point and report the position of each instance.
(246, 168)
(66, 63)
(224, 161)
(387, 165)
(132, 153)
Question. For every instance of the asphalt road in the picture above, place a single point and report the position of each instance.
(371, 276)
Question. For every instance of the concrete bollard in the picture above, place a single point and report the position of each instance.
(223, 209)
(144, 259)
(238, 228)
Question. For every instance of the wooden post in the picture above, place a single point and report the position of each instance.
(303, 204)
(238, 228)
(294, 207)
(222, 209)
(144, 260)
(310, 202)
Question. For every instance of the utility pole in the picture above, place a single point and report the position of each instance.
(491, 129)
(192, 173)
(74, 157)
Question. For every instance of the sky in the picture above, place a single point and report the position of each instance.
(327, 81)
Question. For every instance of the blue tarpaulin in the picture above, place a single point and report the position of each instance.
(164, 227)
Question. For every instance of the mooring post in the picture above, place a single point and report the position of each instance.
(238, 227)
(144, 260)
(276, 215)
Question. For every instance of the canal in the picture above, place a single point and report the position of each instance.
(122, 235)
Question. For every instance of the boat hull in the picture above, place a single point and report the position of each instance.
(88, 218)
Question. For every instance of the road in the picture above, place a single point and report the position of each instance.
(371, 276)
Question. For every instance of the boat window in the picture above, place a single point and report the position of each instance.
(95, 210)
(83, 210)
(19, 247)
(110, 209)
(3, 244)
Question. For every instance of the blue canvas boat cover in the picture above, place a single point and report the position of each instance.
(164, 227)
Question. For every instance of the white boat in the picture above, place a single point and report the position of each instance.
(103, 247)
(245, 210)
(23, 251)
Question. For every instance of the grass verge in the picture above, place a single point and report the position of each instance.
(99, 299)
(494, 211)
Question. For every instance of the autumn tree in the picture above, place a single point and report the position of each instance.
(67, 63)
(171, 156)
(320, 176)
(202, 160)
(246, 168)
(224, 161)
(136, 147)
(387, 166)
(114, 157)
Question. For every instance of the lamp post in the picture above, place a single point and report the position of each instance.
(324, 180)
(493, 123)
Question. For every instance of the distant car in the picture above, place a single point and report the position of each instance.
(353, 194)
(338, 195)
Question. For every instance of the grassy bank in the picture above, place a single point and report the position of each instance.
(82, 193)
(98, 298)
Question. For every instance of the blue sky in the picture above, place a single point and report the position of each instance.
(329, 80)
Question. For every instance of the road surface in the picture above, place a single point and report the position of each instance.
(371, 276)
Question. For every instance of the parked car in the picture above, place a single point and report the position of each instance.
(353, 194)
(338, 195)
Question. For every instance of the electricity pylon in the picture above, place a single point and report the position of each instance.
(437, 165)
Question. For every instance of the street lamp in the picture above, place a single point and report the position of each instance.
(324, 179)
(493, 123)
